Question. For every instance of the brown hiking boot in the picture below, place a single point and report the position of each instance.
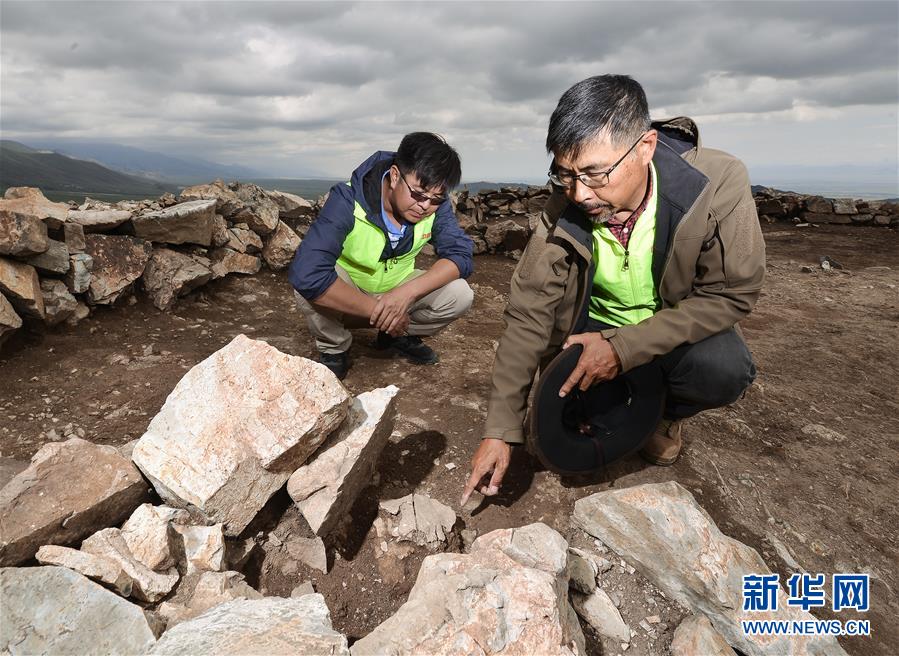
(665, 444)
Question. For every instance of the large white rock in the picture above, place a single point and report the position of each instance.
(661, 531)
(280, 246)
(695, 636)
(600, 612)
(509, 596)
(70, 490)
(235, 427)
(148, 585)
(325, 488)
(53, 610)
(271, 626)
(150, 535)
(190, 222)
(102, 570)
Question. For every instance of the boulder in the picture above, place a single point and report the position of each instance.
(73, 236)
(291, 206)
(9, 320)
(325, 488)
(22, 287)
(662, 532)
(243, 240)
(509, 595)
(227, 203)
(184, 223)
(506, 236)
(844, 206)
(170, 274)
(78, 277)
(99, 220)
(695, 635)
(225, 261)
(416, 518)
(220, 234)
(259, 211)
(197, 594)
(818, 205)
(271, 626)
(600, 612)
(53, 610)
(70, 490)
(236, 427)
(150, 535)
(118, 261)
(30, 201)
(148, 585)
(280, 246)
(204, 548)
(102, 570)
(59, 304)
(54, 260)
(21, 235)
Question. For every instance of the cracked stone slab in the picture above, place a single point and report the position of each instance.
(149, 586)
(235, 428)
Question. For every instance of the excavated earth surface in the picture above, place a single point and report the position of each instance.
(827, 349)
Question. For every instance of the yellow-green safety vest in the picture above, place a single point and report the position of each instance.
(623, 289)
(362, 249)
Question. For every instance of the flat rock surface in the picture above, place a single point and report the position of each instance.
(99, 220)
(271, 626)
(188, 222)
(53, 610)
(21, 234)
(118, 261)
(21, 286)
(70, 490)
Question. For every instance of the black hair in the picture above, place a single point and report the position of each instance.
(431, 159)
(614, 104)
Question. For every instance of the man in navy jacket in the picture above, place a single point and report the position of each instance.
(356, 265)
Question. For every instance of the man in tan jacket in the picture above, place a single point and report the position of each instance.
(648, 248)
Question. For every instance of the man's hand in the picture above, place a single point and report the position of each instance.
(391, 313)
(491, 457)
(597, 363)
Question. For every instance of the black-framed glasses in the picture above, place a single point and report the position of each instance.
(419, 197)
(594, 180)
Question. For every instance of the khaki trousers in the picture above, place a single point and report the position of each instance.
(427, 316)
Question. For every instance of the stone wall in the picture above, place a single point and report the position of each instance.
(60, 260)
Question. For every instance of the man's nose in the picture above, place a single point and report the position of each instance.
(579, 192)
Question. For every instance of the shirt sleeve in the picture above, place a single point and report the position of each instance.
(312, 269)
(451, 242)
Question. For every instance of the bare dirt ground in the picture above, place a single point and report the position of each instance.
(804, 468)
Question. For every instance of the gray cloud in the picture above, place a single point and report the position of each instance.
(286, 84)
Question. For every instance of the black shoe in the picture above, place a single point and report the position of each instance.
(409, 345)
(338, 363)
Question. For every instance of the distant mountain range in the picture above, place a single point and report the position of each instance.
(60, 175)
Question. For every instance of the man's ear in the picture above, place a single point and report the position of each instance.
(647, 147)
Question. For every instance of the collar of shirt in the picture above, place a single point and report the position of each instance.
(622, 231)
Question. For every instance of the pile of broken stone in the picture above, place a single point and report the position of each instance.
(59, 261)
(140, 550)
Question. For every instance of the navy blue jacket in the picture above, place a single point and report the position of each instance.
(312, 270)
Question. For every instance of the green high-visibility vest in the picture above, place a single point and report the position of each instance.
(362, 249)
(623, 290)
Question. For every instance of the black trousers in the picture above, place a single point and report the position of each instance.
(711, 373)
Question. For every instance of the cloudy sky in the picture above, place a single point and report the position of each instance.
(299, 88)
